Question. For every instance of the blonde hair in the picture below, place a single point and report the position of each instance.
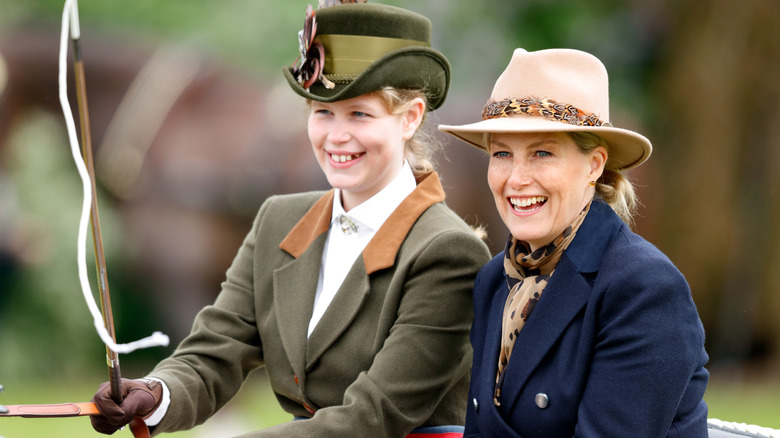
(613, 186)
(419, 150)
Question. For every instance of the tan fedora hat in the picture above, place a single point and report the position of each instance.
(554, 90)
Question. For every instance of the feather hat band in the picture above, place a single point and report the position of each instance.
(555, 90)
(351, 49)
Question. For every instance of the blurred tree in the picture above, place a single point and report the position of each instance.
(718, 168)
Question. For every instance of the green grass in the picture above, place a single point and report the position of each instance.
(752, 402)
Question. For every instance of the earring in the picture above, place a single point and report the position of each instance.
(593, 183)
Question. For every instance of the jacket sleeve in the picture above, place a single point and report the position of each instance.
(648, 345)
(210, 364)
(424, 356)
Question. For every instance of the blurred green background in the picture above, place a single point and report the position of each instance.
(193, 127)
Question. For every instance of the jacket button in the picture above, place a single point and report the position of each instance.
(542, 400)
(476, 405)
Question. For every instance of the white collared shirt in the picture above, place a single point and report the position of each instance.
(342, 249)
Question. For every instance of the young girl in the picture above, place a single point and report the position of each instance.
(357, 301)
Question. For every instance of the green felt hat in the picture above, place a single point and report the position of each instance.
(353, 49)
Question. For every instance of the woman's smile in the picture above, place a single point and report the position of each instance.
(527, 205)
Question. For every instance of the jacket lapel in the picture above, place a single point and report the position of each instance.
(563, 298)
(496, 424)
(295, 283)
(313, 224)
(294, 286)
(381, 250)
(565, 295)
(340, 313)
(491, 352)
(380, 253)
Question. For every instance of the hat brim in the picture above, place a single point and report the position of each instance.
(420, 68)
(627, 149)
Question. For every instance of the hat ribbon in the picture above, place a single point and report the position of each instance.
(349, 55)
(549, 108)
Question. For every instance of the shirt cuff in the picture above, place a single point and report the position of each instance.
(159, 413)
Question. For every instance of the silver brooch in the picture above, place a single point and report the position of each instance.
(347, 225)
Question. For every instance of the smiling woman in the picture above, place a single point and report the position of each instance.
(581, 327)
(356, 300)
(541, 182)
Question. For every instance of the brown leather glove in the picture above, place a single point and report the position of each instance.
(140, 399)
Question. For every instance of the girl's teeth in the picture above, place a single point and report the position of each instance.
(342, 158)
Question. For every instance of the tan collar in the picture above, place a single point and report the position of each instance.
(381, 250)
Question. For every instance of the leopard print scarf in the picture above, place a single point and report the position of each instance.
(527, 274)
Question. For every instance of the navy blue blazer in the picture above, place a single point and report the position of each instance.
(613, 348)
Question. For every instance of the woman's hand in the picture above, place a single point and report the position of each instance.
(139, 399)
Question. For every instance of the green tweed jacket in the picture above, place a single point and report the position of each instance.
(390, 353)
